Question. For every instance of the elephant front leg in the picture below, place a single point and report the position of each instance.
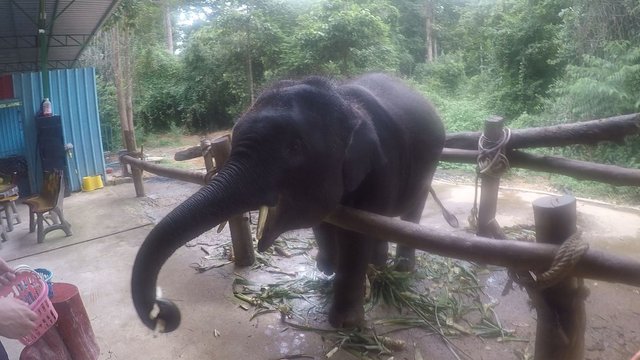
(327, 257)
(406, 256)
(347, 308)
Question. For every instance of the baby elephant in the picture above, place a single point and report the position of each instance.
(303, 148)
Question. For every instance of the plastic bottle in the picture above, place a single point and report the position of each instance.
(46, 107)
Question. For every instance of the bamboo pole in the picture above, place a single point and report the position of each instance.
(513, 254)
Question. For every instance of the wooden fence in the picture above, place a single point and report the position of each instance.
(551, 269)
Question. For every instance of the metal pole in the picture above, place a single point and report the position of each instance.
(43, 50)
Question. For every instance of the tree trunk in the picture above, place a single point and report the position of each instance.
(124, 83)
(168, 28)
(429, 38)
(127, 75)
(117, 74)
(249, 69)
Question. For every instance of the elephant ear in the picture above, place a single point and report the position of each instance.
(363, 154)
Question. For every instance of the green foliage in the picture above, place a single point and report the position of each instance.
(599, 87)
(446, 74)
(230, 57)
(158, 101)
(526, 54)
(343, 37)
(535, 62)
(171, 137)
(589, 26)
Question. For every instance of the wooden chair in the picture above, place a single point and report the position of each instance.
(8, 196)
(50, 201)
(3, 234)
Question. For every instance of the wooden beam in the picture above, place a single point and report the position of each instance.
(188, 154)
(586, 132)
(184, 175)
(582, 170)
(513, 254)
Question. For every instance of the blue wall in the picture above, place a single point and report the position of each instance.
(74, 98)
(11, 133)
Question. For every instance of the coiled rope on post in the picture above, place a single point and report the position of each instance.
(566, 258)
(491, 161)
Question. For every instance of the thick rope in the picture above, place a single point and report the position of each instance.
(566, 258)
(491, 161)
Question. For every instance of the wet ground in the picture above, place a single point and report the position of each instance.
(109, 224)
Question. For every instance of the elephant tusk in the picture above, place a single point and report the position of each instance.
(221, 227)
(262, 221)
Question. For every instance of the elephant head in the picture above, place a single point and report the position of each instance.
(296, 151)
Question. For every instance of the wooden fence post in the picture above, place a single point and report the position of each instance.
(238, 225)
(207, 154)
(487, 226)
(136, 173)
(560, 308)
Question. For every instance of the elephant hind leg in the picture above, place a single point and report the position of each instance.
(380, 254)
(406, 256)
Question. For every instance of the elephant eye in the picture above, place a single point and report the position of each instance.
(294, 150)
(294, 147)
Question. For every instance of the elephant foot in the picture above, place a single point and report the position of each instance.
(350, 316)
(380, 254)
(325, 263)
(404, 265)
(405, 259)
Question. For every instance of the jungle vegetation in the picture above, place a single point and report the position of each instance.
(194, 65)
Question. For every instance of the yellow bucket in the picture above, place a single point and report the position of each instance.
(90, 183)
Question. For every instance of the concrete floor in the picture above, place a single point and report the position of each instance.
(109, 224)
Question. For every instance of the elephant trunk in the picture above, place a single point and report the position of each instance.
(231, 192)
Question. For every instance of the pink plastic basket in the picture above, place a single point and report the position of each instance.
(29, 287)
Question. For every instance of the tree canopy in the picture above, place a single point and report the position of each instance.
(197, 64)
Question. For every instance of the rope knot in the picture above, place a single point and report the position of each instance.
(566, 258)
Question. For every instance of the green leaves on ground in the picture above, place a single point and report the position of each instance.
(442, 297)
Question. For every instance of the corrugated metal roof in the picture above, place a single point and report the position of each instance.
(70, 25)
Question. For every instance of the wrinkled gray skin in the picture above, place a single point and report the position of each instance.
(303, 148)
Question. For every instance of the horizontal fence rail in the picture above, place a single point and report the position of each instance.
(512, 254)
